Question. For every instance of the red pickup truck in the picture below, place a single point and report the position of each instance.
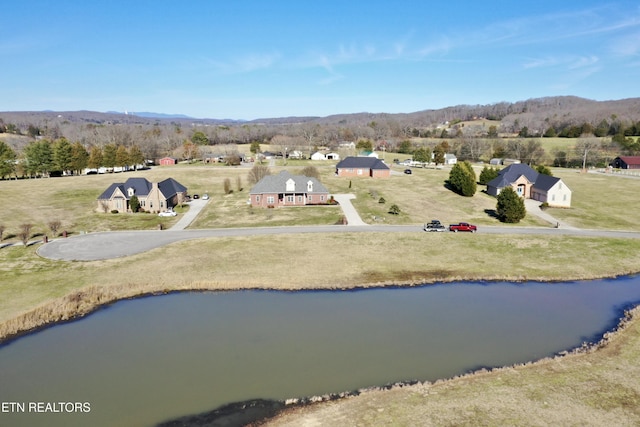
(463, 226)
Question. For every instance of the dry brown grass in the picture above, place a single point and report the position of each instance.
(61, 290)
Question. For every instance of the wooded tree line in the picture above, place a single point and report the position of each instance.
(42, 158)
(602, 130)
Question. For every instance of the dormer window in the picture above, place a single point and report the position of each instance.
(309, 186)
(131, 192)
(290, 185)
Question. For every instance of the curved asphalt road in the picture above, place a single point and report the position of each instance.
(115, 244)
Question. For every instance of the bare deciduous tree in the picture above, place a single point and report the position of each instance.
(258, 172)
(585, 148)
(54, 226)
(25, 233)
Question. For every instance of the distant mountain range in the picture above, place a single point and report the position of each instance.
(536, 114)
(152, 115)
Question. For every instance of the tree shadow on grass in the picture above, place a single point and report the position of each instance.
(492, 213)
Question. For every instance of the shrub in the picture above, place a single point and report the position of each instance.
(510, 207)
(382, 200)
(114, 211)
(394, 210)
(134, 204)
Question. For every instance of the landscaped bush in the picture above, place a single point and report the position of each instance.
(382, 200)
(114, 211)
(394, 210)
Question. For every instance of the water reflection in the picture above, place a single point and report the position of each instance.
(143, 361)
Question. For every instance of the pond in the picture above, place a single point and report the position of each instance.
(143, 361)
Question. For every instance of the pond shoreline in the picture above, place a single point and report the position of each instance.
(258, 412)
(85, 301)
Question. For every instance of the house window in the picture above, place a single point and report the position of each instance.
(257, 198)
(290, 199)
(359, 171)
(310, 198)
(322, 198)
(270, 200)
(553, 197)
(299, 199)
(564, 198)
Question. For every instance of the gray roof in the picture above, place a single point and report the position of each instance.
(545, 182)
(278, 184)
(170, 187)
(512, 172)
(141, 186)
(361, 162)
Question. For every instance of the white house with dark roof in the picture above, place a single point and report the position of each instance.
(285, 189)
(530, 184)
(153, 196)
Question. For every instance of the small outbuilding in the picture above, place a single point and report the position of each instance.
(626, 162)
(167, 161)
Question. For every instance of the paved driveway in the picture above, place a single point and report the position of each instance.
(353, 218)
(195, 206)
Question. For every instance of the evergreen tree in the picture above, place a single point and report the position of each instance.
(79, 157)
(122, 156)
(7, 160)
(510, 207)
(39, 158)
(462, 179)
(544, 170)
(95, 158)
(134, 204)
(109, 155)
(62, 155)
(487, 174)
(422, 155)
(135, 156)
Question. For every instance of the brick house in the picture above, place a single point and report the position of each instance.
(153, 196)
(285, 189)
(363, 166)
(530, 184)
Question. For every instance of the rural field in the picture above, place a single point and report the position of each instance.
(584, 389)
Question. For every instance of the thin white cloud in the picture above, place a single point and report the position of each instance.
(582, 62)
(628, 45)
(245, 64)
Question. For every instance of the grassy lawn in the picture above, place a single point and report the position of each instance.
(34, 290)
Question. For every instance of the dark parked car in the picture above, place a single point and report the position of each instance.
(434, 225)
(407, 171)
(195, 196)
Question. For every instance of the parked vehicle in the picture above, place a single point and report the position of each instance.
(463, 226)
(434, 225)
(407, 171)
(195, 196)
(169, 212)
(205, 197)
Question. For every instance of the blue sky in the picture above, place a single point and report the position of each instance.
(246, 59)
